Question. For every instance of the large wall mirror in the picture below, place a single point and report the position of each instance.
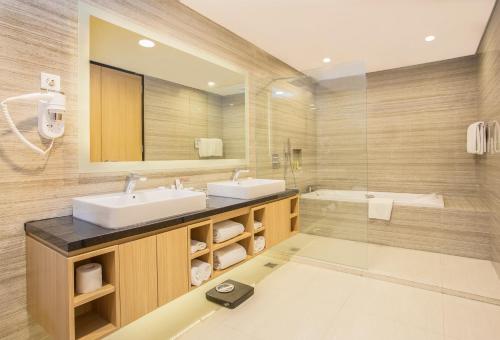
(146, 103)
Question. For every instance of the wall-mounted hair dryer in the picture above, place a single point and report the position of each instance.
(51, 106)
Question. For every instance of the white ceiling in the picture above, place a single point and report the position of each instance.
(382, 34)
(117, 46)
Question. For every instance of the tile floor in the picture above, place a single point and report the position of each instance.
(462, 274)
(299, 301)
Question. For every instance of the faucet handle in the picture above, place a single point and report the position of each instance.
(178, 183)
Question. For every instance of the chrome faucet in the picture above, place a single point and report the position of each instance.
(238, 172)
(132, 179)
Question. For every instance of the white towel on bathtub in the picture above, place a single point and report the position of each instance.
(229, 255)
(380, 208)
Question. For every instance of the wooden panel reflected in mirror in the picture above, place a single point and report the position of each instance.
(116, 115)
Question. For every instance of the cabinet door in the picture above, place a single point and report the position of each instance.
(138, 278)
(278, 216)
(172, 250)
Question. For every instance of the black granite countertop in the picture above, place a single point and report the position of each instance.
(68, 234)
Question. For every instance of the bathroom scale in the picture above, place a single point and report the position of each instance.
(230, 294)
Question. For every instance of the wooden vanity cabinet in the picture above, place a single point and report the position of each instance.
(138, 275)
(173, 262)
(138, 278)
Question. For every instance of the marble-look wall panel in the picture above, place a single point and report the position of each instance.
(489, 87)
(461, 229)
(403, 133)
(41, 36)
(417, 118)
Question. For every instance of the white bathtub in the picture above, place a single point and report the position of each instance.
(413, 200)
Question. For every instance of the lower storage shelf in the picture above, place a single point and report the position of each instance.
(91, 325)
(96, 318)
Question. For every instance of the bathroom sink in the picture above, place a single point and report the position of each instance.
(119, 210)
(246, 188)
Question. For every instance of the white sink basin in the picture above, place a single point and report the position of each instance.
(246, 188)
(119, 210)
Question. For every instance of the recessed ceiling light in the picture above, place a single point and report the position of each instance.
(211, 83)
(147, 43)
(279, 93)
(326, 60)
(430, 38)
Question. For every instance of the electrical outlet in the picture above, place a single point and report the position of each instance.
(50, 82)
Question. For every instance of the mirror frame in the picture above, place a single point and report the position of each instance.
(85, 11)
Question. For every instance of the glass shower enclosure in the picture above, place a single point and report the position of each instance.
(311, 131)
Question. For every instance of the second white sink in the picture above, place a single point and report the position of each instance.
(246, 188)
(119, 210)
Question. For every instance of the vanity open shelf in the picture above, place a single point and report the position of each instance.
(141, 272)
(235, 239)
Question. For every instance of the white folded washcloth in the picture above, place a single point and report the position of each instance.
(257, 225)
(226, 230)
(227, 256)
(197, 246)
(380, 208)
(259, 244)
(200, 272)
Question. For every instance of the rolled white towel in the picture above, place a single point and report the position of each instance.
(257, 225)
(197, 246)
(200, 272)
(259, 244)
(227, 256)
(226, 230)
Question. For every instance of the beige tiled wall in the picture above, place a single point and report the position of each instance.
(42, 36)
(489, 85)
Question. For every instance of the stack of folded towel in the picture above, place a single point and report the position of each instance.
(200, 272)
(229, 255)
(197, 246)
(226, 230)
(257, 225)
(476, 138)
(259, 244)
